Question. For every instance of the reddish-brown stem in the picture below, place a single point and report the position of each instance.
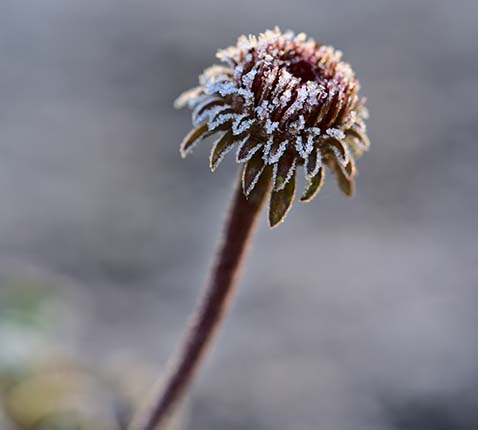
(211, 308)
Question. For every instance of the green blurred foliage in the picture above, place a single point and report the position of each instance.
(40, 389)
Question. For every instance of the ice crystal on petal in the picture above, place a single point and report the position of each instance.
(270, 126)
(298, 103)
(267, 148)
(248, 79)
(298, 125)
(274, 158)
(185, 98)
(335, 132)
(318, 164)
(241, 124)
(310, 143)
(253, 182)
(299, 147)
(290, 173)
(221, 155)
(209, 106)
(314, 92)
(221, 119)
(195, 100)
(249, 154)
(338, 155)
(287, 178)
(262, 111)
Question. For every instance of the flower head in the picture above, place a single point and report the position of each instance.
(282, 101)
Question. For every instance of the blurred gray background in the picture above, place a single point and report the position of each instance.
(354, 314)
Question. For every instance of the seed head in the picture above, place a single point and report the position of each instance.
(282, 101)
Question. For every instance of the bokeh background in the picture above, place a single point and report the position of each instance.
(354, 314)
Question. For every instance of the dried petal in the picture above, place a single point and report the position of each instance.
(276, 150)
(360, 135)
(193, 138)
(282, 172)
(313, 163)
(204, 109)
(281, 202)
(355, 145)
(346, 184)
(349, 170)
(187, 96)
(341, 151)
(222, 146)
(247, 149)
(251, 173)
(313, 186)
(363, 111)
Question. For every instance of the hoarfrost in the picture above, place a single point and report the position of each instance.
(214, 74)
(262, 111)
(238, 71)
(241, 124)
(248, 78)
(254, 181)
(318, 165)
(274, 158)
(338, 155)
(270, 126)
(249, 154)
(213, 123)
(225, 151)
(184, 99)
(299, 146)
(200, 113)
(310, 143)
(267, 148)
(298, 103)
(287, 178)
(335, 132)
(298, 125)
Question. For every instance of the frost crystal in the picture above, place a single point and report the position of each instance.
(267, 148)
(298, 103)
(338, 155)
(335, 132)
(240, 125)
(288, 177)
(275, 157)
(270, 126)
(248, 79)
(219, 120)
(298, 125)
(249, 153)
(315, 169)
(208, 107)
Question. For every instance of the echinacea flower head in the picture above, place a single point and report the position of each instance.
(281, 101)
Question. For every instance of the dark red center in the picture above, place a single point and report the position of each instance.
(305, 71)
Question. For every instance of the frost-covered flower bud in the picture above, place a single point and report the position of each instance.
(281, 101)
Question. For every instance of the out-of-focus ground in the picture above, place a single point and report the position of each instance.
(354, 314)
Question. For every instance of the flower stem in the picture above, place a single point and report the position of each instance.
(211, 308)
